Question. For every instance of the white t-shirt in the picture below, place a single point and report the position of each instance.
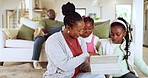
(89, 38)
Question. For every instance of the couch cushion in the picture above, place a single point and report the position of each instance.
(101, 29)
(29, 23)
(25, 33)
(18, 43)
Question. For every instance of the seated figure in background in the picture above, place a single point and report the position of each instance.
(46, 27)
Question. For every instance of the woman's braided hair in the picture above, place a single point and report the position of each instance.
(71, 17)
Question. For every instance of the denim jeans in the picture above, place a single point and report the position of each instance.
(39, 40)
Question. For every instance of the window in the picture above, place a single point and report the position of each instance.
(81, 11)
(124, 11)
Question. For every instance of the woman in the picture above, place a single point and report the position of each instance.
(65, 50)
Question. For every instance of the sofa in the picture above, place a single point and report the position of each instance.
(14, 47)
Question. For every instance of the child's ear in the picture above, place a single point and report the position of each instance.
(124, 33)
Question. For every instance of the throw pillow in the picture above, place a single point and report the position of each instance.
(10, 33)
(102, 29)
(25, 33)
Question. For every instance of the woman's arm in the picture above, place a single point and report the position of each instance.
(57, 52)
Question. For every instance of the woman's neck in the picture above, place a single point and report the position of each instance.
(66, 35)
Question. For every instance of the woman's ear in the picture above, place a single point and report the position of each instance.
(68, 27)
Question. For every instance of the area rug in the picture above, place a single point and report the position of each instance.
(21, 71)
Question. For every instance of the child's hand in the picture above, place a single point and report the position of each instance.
(93, 54)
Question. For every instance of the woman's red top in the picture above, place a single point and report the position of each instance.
(76, 51)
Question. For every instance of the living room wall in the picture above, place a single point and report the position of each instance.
(7, 5)
(79, 4)
(108, 7)
(104, 8)
(107, 11)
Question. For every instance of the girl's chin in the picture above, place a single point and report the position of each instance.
(115, 42)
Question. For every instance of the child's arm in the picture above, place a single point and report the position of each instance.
(98, 45)
(93, 54)
(138, 61)
(140, 64)
(100, 49)
(96, 49)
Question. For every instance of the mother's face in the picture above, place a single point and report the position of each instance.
(76, 30)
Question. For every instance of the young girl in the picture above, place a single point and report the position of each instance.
(121, 45)
(90, 39)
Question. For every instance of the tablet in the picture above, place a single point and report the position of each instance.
(99, 59)
(104, 64)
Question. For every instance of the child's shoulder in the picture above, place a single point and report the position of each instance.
(95, 36)
(105, 40)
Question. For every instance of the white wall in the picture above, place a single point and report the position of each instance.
(49, 4)
(108, 7)
(1, 20)
(78, 4)
(31, 6)
(7, 5)
(107, 12)
(138, 23)
(0, 2)
(0, 15)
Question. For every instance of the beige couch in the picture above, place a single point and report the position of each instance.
(18, 50)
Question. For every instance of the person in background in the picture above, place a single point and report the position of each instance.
(46, 27)
(66, 50)
(120, 44)
(90, 39)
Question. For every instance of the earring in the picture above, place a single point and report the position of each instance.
(68, 31)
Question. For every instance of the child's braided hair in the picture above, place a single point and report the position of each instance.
(128, 37)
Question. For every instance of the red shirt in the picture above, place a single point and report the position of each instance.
(76, 51)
